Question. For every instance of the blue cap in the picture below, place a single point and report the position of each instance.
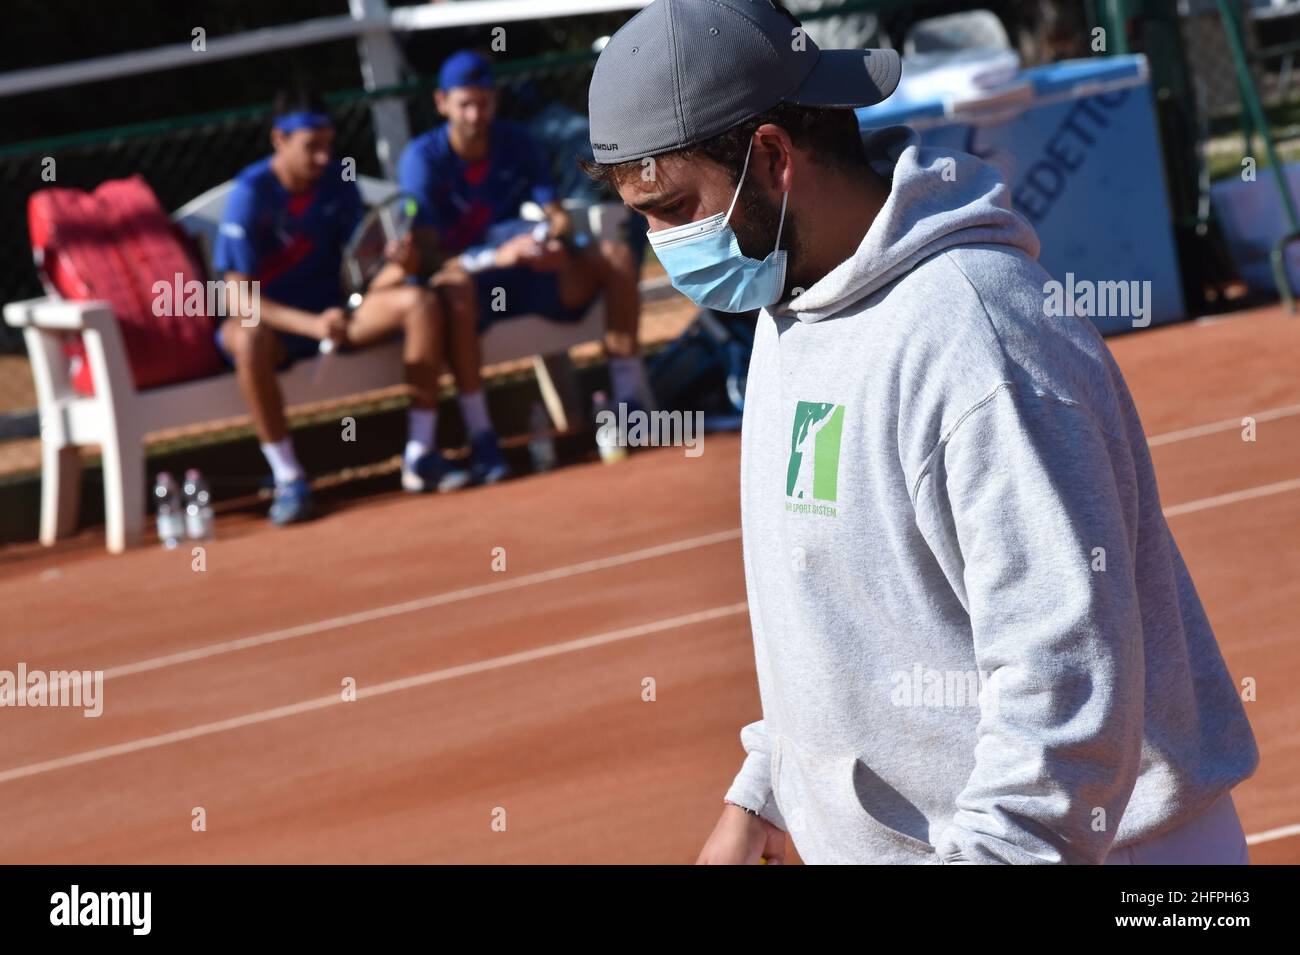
(465, 68)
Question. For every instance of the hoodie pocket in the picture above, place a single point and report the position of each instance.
(828, 814)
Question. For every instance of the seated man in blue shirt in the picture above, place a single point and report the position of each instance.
(285, 225)
(470, 176)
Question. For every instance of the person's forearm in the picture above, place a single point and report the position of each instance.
(1060, 737)
(285, 318)
(478, 259)
(263, 310)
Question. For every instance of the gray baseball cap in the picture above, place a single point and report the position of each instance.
(683, 71)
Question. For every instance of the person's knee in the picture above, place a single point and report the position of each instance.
(247, 344)
(420, 306)
(459, 295)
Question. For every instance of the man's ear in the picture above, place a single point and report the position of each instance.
(277, 139)
(775, 155)
(440, 102)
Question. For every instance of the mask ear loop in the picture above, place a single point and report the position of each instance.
(727, 217)
(784, 197)
(740, 185)
(781, 222)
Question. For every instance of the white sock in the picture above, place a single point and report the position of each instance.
(284, 463)
(473, 407)
(421, 425)
(626, 378)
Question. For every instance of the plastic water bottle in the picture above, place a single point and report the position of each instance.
(607, 434)
(540, 444)
(171, 518)
(198, 506)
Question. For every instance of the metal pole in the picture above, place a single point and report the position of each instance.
(381, 66)
(1117, 14)
(1251, 105)
(290, 35)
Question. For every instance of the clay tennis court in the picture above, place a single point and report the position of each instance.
(516, 696)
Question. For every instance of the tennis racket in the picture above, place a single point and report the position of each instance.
(364, 256)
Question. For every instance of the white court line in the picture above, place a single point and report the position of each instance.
(1250, 493)
(423, 603)
(1229, 424)
(382, 689)
(427, 679)
(1272, 835)
(558, 573)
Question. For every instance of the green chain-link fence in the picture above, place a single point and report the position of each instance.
(549, 64)
(182, 157)
(178, 159)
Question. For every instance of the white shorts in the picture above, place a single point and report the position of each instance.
(1214, 837)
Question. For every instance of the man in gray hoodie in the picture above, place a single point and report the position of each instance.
(975, 638)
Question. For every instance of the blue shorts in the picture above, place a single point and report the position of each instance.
(522, 291)
(296, 347)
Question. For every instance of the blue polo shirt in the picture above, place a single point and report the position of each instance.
(463, 200)
(291, 243)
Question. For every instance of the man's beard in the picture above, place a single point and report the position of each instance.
(756, 229)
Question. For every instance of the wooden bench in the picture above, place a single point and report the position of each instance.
(118, 417)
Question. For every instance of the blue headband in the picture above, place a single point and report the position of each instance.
(302, 119)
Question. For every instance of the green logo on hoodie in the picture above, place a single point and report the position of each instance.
(814, 470)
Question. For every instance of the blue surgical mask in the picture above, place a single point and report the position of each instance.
(704, 261)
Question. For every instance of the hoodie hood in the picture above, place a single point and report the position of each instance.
(938, 198)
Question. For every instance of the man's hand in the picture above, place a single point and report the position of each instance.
(517, 251)
(741, 838)
(561, 224)
(332, 324)
(404, 253)
(548, 256)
